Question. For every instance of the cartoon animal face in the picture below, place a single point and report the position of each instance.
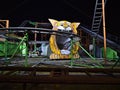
(61, 44)
(64, 25)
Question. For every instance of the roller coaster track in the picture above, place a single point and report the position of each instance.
(110, 43)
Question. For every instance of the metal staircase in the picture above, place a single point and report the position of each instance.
(97, 17)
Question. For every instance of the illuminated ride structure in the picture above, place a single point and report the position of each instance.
(94, 71)
(35, 45)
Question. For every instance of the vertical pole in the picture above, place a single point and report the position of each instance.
(7, 26)
(94, 45)
(7, 23)
(26, 54)
(35, 38)
(5, 50)
(71, 53)
(104, 29)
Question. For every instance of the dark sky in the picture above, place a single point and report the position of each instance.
(72, 10)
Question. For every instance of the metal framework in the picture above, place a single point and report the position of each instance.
(95, 74)
(99, 14)
(4, 23)
(60, 75)
(49, 31)
(15, 29)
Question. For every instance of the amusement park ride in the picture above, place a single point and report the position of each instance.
(67, 47)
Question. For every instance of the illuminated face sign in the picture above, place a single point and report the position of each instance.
(60, 45)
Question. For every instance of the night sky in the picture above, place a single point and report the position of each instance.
(72, 10)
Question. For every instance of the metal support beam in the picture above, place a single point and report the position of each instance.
(61, 75)
(104, 29)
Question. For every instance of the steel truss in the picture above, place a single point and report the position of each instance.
(60, 75)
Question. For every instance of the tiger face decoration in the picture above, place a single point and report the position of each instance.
(61, 45)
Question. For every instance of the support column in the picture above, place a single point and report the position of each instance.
(104, 29)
